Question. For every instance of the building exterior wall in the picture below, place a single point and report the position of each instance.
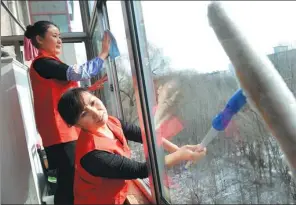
(28, 12)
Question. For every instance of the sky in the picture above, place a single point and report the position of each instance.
(181, 29)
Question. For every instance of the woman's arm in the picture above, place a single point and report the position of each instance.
(108, 165)
(92, 67)
(131, 132)
(52, 69)
(169, 146)
(113, 166)
(85, 71)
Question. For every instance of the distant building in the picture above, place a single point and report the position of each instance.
(59, 12)
(278, 49)
(285, 62)
(28, 12)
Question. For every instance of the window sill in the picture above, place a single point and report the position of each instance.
(139, 193)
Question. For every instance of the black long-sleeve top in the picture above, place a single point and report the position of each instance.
(51, 69)
(109, 165)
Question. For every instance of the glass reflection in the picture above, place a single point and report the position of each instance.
(244, 163)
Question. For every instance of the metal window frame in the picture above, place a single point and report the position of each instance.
(93, 16)
(143, 107)
(93, 49)
(144, 187)
(101, 15)
(119, 109)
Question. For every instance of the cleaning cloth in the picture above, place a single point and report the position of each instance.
(114, 51)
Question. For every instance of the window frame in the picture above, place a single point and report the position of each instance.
(101, 15)
(142, 91)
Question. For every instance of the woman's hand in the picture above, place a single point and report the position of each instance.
(186, 153)
(191, 152)
(105, 46)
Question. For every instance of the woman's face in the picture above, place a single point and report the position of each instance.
(94, 114)
(51, 42)
(164, 91)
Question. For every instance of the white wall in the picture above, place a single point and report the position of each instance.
(21, 172)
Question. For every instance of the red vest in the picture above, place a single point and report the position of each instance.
(168, 128)
(98, 190)
(46, 93)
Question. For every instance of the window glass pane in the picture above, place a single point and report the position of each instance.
(244, 164)
(36, 18)
(98, 33)
(61, 21)
(66, 14)
(123, 68)
(47, 6)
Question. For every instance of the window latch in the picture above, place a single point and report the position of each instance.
(111, 87)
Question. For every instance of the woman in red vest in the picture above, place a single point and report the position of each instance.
(50, 78)
(102, 162)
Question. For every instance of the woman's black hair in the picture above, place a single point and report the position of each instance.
(38, 29)
(71, 105)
